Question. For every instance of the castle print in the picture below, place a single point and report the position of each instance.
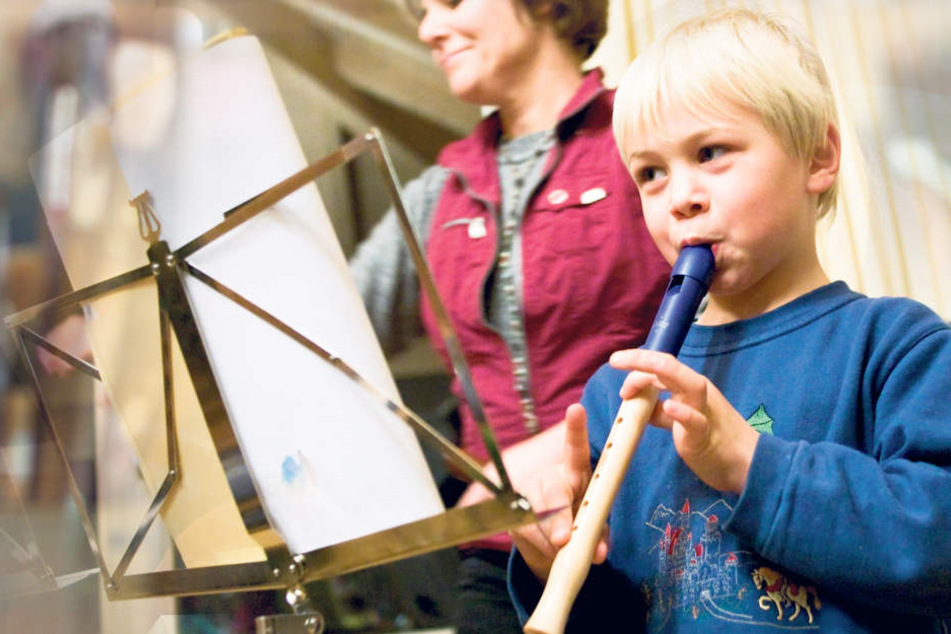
(699, 576)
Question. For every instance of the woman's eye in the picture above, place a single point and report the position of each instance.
(710, 152)
(419, 7)
(416, 8)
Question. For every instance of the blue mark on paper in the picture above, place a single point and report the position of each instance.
(290, 470)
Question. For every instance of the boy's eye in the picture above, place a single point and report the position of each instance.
(710, 152)
(648, 174)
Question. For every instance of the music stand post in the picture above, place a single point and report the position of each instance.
(282, 568)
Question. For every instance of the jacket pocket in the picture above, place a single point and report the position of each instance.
(474, 227)
(575, 216)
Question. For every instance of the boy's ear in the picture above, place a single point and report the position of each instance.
(824, 166)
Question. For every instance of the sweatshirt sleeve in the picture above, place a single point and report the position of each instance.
(876, 526)
(383, 268)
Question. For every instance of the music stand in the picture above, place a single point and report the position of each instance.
(282, 568)
(22, 567)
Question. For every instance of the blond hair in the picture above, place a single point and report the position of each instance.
(749, 59)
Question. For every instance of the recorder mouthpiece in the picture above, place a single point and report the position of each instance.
(689, 282)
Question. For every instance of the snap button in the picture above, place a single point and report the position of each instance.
(557, 196)
(477, 228)
(593, 195)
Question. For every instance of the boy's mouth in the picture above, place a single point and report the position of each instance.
(692, 242)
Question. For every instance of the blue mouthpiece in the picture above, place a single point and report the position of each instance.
(689, 282)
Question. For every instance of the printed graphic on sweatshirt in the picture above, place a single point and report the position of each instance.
(778, 592)
(761, 421)
(702, 576)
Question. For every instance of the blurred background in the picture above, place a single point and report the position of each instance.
(343, 66)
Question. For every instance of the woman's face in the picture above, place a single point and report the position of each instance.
(483, 46)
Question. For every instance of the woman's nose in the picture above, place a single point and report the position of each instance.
(433, 24)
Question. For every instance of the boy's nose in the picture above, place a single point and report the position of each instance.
(687, 197)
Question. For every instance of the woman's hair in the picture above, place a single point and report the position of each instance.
(580, 23)
(748, 59)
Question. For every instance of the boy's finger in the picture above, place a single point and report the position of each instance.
(636, 381)
(536, 550)
(674, 376)
(577, 452)
(558, 497)
(661, 364)
(601, 550)
(533, 542)
(659, 418)
(692, 430)
(631, 359)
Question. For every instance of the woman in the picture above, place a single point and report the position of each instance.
(528, 225)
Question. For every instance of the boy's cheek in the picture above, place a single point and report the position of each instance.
(654, 209)
(657, 227)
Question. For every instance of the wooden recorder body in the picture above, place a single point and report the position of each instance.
(689, 281)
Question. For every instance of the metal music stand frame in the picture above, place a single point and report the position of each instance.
(30, 574)
(282, 569)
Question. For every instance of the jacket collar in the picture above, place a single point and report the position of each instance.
(486, 134)
(474, 157)
(591, 87)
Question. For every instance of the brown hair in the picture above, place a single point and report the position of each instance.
(581, 23)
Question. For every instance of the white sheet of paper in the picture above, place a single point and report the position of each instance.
(330, 462)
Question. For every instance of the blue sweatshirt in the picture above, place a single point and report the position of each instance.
(845, 521)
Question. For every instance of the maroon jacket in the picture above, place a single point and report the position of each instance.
(592, 277)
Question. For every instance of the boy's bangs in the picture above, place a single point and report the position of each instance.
(733, 59)
(702, 83)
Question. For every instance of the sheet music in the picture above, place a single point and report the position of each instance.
(330, 462)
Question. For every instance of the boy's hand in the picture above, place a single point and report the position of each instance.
(711, 437)
(560, 486)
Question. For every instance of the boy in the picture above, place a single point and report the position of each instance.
(799, 474)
